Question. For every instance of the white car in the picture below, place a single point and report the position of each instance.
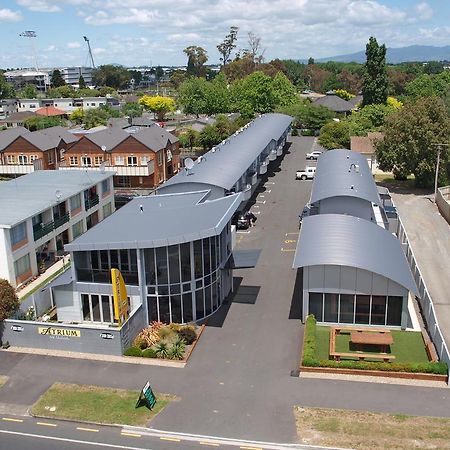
(306, 174)
(313, 155)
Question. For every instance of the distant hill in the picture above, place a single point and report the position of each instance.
(397, 55)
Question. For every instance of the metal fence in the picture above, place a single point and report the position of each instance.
(425, 300)
(443, 202)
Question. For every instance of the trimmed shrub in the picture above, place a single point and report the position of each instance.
(149, 353)
(140, 342)
(166, 333)
(188, 334)
(294, 132)
(133, 351)
(307, 132)
(175, 327)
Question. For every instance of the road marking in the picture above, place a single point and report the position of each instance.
(255, 206)
(251, 448)
(10, 419)
(290, 241)
(261, 196)
(170, 439)
(287, 249)
(243, 232)
(212, 444)
(124, 433)
(92, 430)
(269, 190)
(262, 203)
(72, 441)
(46, 424)
(221, 383)
(257, 212)
(269, 182)
(287, 234)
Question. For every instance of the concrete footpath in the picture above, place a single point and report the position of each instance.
(429, 236)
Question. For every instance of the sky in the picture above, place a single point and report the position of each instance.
(155, 32)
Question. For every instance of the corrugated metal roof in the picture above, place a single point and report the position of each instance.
(343, 173)
(33, 193)
(334, 239)
(230, 160)
(165, 220)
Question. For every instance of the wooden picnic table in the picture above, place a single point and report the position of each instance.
(360, 338)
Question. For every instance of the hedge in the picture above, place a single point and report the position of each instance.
(309, 358)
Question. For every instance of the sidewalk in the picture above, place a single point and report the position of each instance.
(47, 276)
(429, 236)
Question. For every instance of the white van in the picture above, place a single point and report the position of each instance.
(306, 174)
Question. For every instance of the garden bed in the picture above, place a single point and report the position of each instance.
(409, 349)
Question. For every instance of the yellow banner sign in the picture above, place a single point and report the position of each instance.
(60, 332)
(120, 296)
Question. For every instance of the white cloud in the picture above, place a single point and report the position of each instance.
(51, 48)
(7, 15)
(98, 50)
(74, 44)
(424, 11)
(47, 6)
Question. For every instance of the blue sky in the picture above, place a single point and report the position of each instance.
(138, 32)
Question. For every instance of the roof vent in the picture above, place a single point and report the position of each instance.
(352, 187)
(141, 208)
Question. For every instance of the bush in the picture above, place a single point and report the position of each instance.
(133, 351)
(176, 351)
(309, 339)
(308, 132)
(167, 333)
(162, 349)
(140, 342)
(149, 353)
(9, 303)
(188, 334)
(294, 132)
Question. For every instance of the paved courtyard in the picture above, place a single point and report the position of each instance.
(237, 382)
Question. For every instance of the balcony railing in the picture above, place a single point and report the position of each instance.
(91, 202)
(43, 229)
(61, 220)
(141, 171)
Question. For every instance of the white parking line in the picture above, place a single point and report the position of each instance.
(269, 190)
(257, 212)
(269, 182)
(262, 203)
(243, 232)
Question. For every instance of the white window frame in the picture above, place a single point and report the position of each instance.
(22, 160)
(144, 160)
(98, 160)
(73, 160)
(11, 159)
(84, 160)
(119, 160)
(134, 160)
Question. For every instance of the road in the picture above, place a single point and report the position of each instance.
(238, 382)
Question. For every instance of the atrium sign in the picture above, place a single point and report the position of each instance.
(58, 332)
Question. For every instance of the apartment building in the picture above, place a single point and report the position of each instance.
(22, 151)
(140, 157)
(43, 211)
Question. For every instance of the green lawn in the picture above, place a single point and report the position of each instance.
(96, 404)
(408, 346)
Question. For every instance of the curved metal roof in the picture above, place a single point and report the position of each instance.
(343, 173)
(159, 221)
(228, 162)
(334, 239)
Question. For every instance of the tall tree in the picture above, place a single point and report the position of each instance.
(158, 105)
(56, 79)
(81, 83)
(407, 145)
(192, 95)
(116, 77)
(254, 48)
(283, 90)
(28, 91)
(375, 81)
(9, 303)
(226, 47)
(197, 58)
(6, 89)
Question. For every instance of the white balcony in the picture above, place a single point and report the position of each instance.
(137, 171)
(19, 169)
(279, 151)
(247, 193)
(263, 168)
(273, 155)
(254, 179)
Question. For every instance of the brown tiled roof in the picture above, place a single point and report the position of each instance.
(49, 111)
(365, 144)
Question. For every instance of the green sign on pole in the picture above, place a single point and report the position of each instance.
(146, 397)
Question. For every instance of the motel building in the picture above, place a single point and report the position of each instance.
(352, 266)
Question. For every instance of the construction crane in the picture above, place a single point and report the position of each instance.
(90, 51)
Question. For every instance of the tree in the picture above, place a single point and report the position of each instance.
(375, 83)
(369, 118)
(9, 303)
(81, 83)
(136, 75)
(28, 91)
(343, 94)
(217, 96)
(56, 79)
(189, 138)
(335, 135)
(429, 85)
(41, 122)
(107, 90)
(254, 48)
(116, 77)
(158, 105)
(77, 116)
(87, 92)
(209, 137)
(132, 109)
(307, 115)
(407, 145)
(192, 96)
(283, 90)
(310, 61)
(197, 58)
(6, 89)
(65, 91)
(226, 47)
(177, 77)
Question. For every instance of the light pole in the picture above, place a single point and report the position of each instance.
(439, 149)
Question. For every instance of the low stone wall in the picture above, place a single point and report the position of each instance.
(443, 202)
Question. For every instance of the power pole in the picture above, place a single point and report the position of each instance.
(439, 149)
(90, 51)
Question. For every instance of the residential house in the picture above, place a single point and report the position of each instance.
(365, 145)
(335, 103)
(16, 119)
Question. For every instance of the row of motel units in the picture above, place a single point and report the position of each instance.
(353, 267)
(140, 157)
(43, 211)
(174, 250)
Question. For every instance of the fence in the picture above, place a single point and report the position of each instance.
(425, 299)
(443, 202)
(40, 300)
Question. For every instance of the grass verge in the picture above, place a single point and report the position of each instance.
(3, 380)
(96, 404)
(366, 430)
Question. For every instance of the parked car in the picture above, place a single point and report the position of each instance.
(306, 174)
(313, 156)
(243, 220)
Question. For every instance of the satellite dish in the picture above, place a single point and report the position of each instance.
(189, 163)
(103, 147)
(58, 194)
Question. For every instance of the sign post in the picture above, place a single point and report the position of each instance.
(146, 397)
(120, 296)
